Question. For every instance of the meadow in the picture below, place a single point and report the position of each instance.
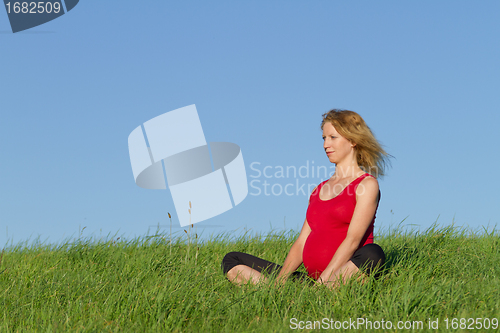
(440, 280)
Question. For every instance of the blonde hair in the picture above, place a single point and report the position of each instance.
(370, 155)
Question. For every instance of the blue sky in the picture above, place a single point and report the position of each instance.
(425, 76)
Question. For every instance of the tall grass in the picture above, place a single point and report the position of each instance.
(139, 285)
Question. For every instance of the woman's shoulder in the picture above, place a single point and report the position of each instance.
(320, 184)
(368, 186)
(318, 188)
(369, 180)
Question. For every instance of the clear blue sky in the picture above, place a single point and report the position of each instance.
(424, 75)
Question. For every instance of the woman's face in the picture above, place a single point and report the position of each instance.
(337, 147)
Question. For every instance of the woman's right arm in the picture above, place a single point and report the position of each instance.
(294, 257)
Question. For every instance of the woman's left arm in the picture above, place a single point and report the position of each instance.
(366, 204)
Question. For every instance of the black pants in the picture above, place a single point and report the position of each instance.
(263, 266)
(369, 258)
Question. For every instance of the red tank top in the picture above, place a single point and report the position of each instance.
(329, 221)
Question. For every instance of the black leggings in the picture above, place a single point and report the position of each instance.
(369, 258)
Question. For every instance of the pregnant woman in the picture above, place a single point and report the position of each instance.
(336, 240)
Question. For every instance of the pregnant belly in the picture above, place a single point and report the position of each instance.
(318, 252)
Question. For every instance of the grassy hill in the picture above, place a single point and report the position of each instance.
(146, 284)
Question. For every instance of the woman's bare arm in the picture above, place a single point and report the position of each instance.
(366, 205)
(294, 257)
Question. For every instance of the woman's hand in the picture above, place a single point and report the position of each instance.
(280, 281)
(330, 284)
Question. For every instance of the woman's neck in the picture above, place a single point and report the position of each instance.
(350, 170)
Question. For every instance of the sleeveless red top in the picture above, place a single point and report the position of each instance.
(329, 221)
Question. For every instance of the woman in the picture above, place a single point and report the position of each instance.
(336, 240)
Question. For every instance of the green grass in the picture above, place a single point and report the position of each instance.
(137, 286)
